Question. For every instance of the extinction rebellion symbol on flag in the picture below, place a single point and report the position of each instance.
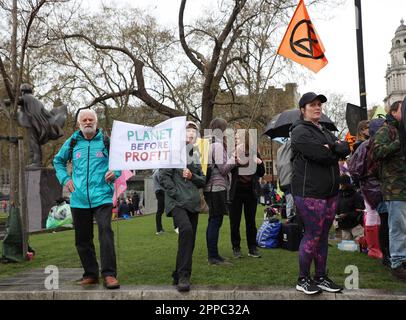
(307, 47)
(301, 42)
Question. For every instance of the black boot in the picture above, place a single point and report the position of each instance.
(184, 284)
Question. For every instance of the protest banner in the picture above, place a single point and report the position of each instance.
(136, 147)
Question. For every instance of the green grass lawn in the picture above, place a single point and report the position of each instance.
(147, 259)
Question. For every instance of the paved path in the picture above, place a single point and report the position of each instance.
(31, 286)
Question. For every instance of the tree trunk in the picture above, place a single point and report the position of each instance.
(207, 108)
(14, 196)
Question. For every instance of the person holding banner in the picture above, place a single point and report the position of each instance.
(182, 200)
(91, 186)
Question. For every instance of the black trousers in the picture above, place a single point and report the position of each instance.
(248, 202)
(187, 223)
(160, 197)
(83, 222)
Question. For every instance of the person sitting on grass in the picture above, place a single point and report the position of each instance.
(350, 211)
(123, 209)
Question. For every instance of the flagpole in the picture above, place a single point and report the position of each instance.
(361, 67)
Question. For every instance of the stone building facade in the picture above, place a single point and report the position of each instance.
(276, 100)
(396, 72)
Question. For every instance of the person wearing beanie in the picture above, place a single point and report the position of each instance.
(182, 201)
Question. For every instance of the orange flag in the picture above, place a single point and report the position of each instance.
(301, 42)
(351, 140)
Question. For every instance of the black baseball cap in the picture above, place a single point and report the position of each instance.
(310, 97)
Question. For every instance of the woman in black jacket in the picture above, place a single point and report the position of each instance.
(244, 192)
(315, 183)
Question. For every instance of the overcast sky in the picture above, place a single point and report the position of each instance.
(380, 21)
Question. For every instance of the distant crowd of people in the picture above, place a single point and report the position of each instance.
(130, 206)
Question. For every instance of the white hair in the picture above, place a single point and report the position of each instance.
(87, 111)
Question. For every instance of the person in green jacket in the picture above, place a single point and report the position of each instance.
(392, 175)
(91, 186)
(182, 200)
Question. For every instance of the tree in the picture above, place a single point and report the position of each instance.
(24, 16)
(137, 58)
(335, 109)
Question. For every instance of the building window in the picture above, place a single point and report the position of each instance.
(268, 167)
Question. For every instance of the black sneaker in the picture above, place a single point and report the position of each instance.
(399, 272)
(218, 261)
(183, 285)
(253, 253)
(307, 286)
(386, 262)
(327, 284)
(237, 253)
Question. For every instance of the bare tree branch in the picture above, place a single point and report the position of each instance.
(6, 81)
(186, 48)
(141, 92)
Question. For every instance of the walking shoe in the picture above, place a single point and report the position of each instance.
(386, 261)
(177, 230)
(399, 272)
(160, 233)
(307, 286)
(253, 253)
(218, 261)
(327, 284)
(237, 253)
(183, 285)
(111, 282)
(89, 281)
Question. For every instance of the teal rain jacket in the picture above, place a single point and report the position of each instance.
(90, 162)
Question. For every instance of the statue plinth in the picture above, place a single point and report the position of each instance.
(43, 189)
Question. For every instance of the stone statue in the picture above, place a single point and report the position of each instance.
(42, 125)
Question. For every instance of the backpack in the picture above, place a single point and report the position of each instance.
(284, 166)
(73, 141)
(357, 163)
(268, 234)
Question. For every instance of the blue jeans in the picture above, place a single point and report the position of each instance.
(397, 232)
(217, 209)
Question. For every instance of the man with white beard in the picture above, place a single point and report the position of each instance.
(92, 187)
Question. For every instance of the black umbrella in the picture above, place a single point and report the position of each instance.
(281, 123)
